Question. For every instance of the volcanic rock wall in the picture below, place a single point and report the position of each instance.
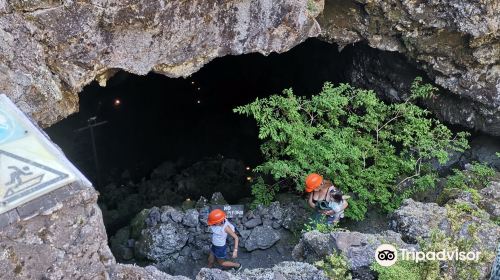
(457, 43)
(50, 49)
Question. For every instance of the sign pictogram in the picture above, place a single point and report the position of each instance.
(21, 177)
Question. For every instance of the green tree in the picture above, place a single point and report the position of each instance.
(376, 151)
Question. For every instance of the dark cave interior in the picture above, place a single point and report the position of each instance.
(153, 118)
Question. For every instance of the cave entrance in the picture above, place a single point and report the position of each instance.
(160, 134)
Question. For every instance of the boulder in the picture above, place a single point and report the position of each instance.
(253, 222)
(313, 246)
(491, 199)
(159, 242)
(280, 271)
(416, 219)
(177, 216)
(127, 271)
(119, 244)
(261, 237)
(275, 210)
(137, 224)
(358, 248)
(191, 218)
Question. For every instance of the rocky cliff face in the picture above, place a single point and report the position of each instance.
(49, 50)
(457, 43)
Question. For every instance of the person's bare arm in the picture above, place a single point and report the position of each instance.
(344, 206)
(236, 240)
(310, 201)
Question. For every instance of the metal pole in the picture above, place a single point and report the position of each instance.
(94, 149)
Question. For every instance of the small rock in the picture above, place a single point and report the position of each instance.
(191, 218)
(276, 225)
(491, 199)
(186, 251)
(253, 222)
(217, 199)
(201, 203)
(176, 216)
(154, 217)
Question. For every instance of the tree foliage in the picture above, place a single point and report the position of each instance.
(376, 151)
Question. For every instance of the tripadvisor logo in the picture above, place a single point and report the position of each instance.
(387, 255)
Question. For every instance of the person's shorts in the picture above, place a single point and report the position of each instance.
(219, 251)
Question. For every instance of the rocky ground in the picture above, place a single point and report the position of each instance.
(175, 234)
(172, 238)
(177, 241)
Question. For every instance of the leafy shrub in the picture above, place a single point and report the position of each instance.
(263, 194)
(477, 178)
(374, 150)
(335, 267)
(320, 225)
(467, 180)
(406, 270)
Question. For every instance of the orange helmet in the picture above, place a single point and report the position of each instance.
(313, 181)
(216, 216)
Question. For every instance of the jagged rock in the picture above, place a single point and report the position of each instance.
(456, 44)
(62, 53)
(253, 222)
(261, 237)
(154, 217)
(416, 219)
(201, 203)
(165, 213)
(491, 199)
(186, 251)
(160, 241)
(69, 240)
(138, 223)
(460, 220)
(358, 248)
(281, 271)
(119, 244)
(313, 246)
(487, 232)
(190, 218)
(294, 216)
(276, 225)
(215, 274)
(275, 210)
(177, 216)
(127, 271)
(218, 198)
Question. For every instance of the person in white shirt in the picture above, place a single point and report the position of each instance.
(221, 227)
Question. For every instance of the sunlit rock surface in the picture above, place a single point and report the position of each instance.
(49, 50)
(457, 43)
